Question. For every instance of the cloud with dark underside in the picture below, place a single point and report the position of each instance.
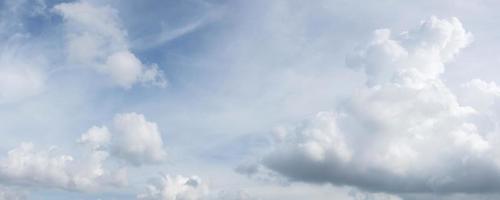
(405, 131)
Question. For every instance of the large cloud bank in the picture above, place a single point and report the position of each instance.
(406, 131)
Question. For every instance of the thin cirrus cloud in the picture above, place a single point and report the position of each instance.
(406, 131)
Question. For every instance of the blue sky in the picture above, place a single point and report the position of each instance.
(215, 99)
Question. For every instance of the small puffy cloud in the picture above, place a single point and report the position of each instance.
(26, 165)
(175, 188)
(95, 38)
(130, 137)
(405, 131)
(96, 137)
(136, 139)
(179, 187)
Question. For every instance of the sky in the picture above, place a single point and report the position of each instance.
(249, 100)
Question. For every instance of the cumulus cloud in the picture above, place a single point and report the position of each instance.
(130, 137)
(175, 188)
(406, 131)
(95, 38)
(7, 193)
(96, 137)
(179, 187)
(419, 53)
(137, 140)
(479, 94)
(29, 166)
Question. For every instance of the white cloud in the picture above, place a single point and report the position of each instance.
(96, 137)
(479, 94)
(26, 165)
(360, 195)
(17, 84)
(21, 69)
(95, 38)
(405, 131)
(175, 188)
(136, 139)
(130, 137)
(179, 187)
(417, 54)
(7, 193)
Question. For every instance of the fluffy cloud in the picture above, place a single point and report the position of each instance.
(175, 188)
(7, 193)
(137, 140)
(405, 131)
(417, 54)
(96, 137)
(26, 165)
(479, 94)
(169, 187)
(130, 137)
(95, 38)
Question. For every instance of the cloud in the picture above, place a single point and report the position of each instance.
(420, 52)
(175, 188)
(405, 132)
(179, 187)
(360, 195)
(131, 137)
(479, 94)
(96, 39)
(7, 193)
(28, 166)
(96, 137)
(137, 140)
(22, 72)
(17, 84)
